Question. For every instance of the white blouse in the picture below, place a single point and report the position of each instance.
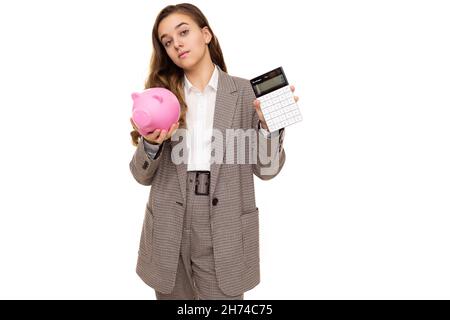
(199, 122)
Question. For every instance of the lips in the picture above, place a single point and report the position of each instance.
(182, 53)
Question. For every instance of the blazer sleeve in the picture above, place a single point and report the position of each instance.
(151, 149)
(142, 166)
(272, 160)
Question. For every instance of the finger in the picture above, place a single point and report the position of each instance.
(292, 88)
(172, 130)
(260, 115)
(257, 105)
(295, 98)
(153, 135)
(261, 118)
(162, 136)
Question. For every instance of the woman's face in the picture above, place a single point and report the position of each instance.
(184, 41)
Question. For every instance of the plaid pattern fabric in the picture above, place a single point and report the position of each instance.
(196, 276)
(233, 212)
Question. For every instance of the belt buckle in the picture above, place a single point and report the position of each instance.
(202, 183)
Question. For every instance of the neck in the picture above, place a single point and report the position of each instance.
(201, 73)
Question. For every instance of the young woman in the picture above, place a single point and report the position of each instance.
(200, 236)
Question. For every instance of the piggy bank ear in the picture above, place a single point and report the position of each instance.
(134, 95)
(159, 98)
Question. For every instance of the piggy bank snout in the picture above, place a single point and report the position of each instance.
(141, 118)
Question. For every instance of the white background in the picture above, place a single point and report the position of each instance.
(360, 210)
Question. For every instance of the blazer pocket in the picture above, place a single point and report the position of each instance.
(146, 242)
(250, 238)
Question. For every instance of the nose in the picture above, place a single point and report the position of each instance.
(178, 45)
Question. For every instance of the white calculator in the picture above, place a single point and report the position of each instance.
(277, 100)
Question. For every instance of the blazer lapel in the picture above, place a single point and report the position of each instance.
(225, 106)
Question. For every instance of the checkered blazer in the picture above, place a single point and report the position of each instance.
(234, 214)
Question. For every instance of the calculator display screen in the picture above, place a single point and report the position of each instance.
(268, 82)
(272, 83)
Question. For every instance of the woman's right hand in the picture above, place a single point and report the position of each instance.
(158, 136)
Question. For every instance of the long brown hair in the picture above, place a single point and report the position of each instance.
(163, 72)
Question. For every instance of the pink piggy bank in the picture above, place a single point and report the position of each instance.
(154, 108)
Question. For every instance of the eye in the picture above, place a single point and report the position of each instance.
(183, 33)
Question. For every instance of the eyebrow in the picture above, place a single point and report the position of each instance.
(178, 25)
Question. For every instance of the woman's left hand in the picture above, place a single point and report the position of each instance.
(257, 106)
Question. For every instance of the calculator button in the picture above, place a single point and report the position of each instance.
(279, 108)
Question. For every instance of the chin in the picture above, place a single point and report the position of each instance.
(186, 64)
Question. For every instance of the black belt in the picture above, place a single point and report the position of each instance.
(202, 182)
